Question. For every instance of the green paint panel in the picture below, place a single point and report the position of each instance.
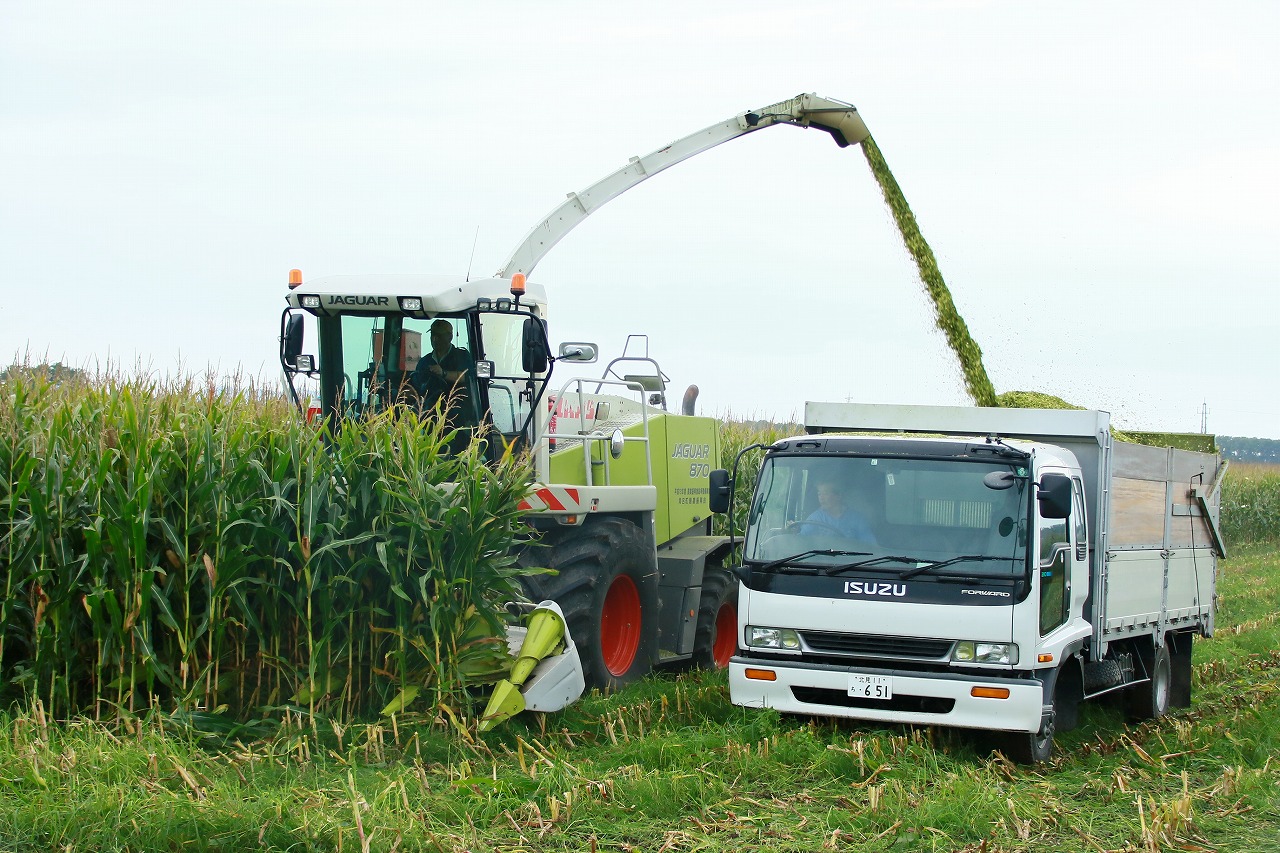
(692, 450)
(683, 449)
(569, 464)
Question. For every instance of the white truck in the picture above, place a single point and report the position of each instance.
(978, 568)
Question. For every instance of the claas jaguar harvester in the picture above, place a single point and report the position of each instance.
(620, 491)
(979, 568)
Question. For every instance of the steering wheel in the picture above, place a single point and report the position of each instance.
(795, 527)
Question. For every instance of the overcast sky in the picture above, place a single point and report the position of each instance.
(1099, 181)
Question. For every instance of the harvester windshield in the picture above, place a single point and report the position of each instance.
(388, 360)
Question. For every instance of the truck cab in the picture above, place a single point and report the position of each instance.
(955, 568)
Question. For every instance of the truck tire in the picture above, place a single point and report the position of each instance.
(1027, 747)
(1101, 674)
(1150, 699)
(716, 637)
(607, 585)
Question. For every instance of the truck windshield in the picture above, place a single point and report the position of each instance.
(929, 517)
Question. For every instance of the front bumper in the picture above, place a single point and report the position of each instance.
(920, 698)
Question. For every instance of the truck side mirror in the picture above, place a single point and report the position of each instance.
(291, 340)
(720, 488)
(1054, 496)
(534, 357)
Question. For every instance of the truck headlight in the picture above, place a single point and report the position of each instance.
(970, 651)
(772, 638)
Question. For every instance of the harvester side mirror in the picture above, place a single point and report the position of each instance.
(1054, 496)
(583, 353)
(535, 357)
(291, 341)
(720, 488)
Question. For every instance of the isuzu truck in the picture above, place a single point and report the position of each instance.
(979, 568)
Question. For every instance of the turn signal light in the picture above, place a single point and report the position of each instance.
(990, 692)
(765, 675)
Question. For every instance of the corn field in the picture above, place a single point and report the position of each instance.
(197, 550)
(1251, 504)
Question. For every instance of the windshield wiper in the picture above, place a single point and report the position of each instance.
(928, 567)
(812, 552)
(866, 564)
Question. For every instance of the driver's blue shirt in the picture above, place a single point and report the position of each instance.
(849, 523)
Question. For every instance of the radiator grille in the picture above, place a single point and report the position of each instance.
(856, 645)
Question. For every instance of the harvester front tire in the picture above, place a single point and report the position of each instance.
(607, 585)
(716, 637)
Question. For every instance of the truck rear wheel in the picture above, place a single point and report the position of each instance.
(716, 637)
(1150, 700)
(607, 586)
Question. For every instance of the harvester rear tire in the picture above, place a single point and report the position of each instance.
(716, 637)
(607, 586)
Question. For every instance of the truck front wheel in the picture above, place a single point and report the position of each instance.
(1028, 747)
(607, 585)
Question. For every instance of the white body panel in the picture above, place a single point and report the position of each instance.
(439, 293)
(886, 618)
(1020, 712)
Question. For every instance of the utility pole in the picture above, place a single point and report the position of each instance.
(1204, 418)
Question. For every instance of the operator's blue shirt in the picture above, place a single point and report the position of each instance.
(848, 523)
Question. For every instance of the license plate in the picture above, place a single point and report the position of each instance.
(871, 686)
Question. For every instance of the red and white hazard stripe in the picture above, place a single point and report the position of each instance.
(553, 498)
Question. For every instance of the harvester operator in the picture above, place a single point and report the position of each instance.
(443, 374)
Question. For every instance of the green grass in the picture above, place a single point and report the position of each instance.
(671, 764)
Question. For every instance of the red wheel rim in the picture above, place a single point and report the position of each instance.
(726, 635)
(620, 625)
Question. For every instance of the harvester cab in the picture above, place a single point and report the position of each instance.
(479, 349)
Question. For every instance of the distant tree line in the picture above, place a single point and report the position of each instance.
(56, 372)
(1250, 449)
